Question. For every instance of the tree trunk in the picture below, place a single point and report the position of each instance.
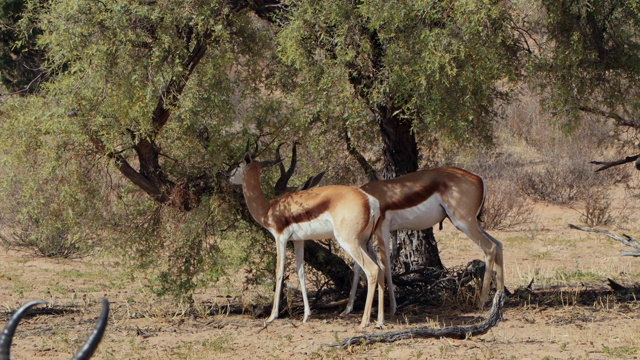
(413, 249)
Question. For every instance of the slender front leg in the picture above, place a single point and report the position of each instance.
(280, 260)
(298, 246)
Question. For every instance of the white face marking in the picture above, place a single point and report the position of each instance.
(236, 174)
(419, 217)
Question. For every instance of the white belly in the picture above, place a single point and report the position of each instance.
(318, 229)
(419, 217)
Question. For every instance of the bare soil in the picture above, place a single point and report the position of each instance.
(570, 313)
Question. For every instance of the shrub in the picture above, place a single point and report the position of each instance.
(49, 242)
(597, 208)
(505, 206)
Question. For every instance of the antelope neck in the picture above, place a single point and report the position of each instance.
(254, 196)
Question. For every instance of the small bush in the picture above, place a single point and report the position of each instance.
(563, 184)
(597, 208)
(505, 207)
(55, 243)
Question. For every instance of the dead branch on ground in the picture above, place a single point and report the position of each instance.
(456, 332)
(625, 239)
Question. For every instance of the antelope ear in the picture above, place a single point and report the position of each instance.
(247, 158)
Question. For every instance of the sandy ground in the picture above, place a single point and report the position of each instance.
(571, 314)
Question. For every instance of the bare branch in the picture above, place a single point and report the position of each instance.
(90, 346)
(608, 164)
(369, 171)
(85, 352)
(620, 121)
(457, 332)
(625, 239)
(281, 185)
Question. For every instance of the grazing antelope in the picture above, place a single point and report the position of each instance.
(421, 199)
(85, 352)
(345, 213)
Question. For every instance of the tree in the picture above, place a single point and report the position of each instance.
(391, 72)
(162, 92)
(591, 62)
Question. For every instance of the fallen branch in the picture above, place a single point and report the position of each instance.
(617, 287)
(625, 239)
(456, 332)
(608, 164)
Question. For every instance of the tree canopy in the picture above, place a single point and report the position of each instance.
(143, 106)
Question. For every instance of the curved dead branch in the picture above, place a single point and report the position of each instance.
(456, 332)
(7, 333)
(85, 352)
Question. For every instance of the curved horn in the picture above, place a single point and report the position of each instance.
(7, 333)
(281, 184)
(255, 150)
(87, 350)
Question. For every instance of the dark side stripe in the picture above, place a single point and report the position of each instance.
(303, 215)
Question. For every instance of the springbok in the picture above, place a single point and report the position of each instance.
(85, 352)
(345, 213)
(421, 199)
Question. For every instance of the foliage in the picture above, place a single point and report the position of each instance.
(51, 195)
(436, 64)
(162, 93)
(591, 58)
(20, 60)
(125, 144)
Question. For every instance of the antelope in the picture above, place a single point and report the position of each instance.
(342, 212)
(421, 199)
(85, 352)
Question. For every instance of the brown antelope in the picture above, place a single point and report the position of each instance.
(345, 213)
(418, 201)
(85, 352)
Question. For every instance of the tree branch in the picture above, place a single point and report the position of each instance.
(625, 239)
(608, 164)
(172, 91)
(127, 170)
(620, 121)
(369, 171)
(456, 332)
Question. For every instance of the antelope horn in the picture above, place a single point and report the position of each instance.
(281, 183)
